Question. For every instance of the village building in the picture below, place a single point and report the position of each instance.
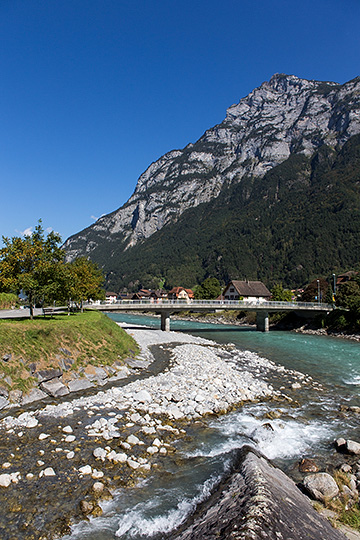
(248, 291)
(142, 294)
(111, 297)
(179, 293)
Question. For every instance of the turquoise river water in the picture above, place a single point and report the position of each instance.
(157, 505)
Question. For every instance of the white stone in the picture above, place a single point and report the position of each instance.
(67, 429)
(86, 469)
(49, 471)
(156, 442)
(143, 396)
(152, 450)
(70, 438)
(99, 453)
(97, 474)
(43, 436)
(132, 439)
(5, 480)
(70, 455)
(133, 464)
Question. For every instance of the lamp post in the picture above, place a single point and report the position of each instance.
(318, 288)
(334, 284)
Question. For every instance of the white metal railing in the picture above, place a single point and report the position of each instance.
(217, 304)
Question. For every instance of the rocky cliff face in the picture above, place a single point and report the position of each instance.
(284, 116)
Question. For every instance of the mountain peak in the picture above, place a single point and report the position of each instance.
(286, 115)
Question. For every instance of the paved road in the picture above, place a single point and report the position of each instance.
(16, 313)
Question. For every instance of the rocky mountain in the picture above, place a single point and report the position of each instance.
(286, 120)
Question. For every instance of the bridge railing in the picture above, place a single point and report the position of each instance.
(218, 304)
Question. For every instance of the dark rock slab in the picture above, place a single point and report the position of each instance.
(48, 374)
(257, 502)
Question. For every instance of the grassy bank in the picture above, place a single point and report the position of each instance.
(86, 338)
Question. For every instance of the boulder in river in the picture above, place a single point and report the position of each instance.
(257, 501)
(321, 486)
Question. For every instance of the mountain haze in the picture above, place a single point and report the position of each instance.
(272, 192)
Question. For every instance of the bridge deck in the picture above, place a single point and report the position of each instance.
(208, 305)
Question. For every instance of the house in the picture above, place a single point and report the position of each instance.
(159, 294)
(142, 294)
(347, 276)
(179, 293)
(249, 291)
(110, 297)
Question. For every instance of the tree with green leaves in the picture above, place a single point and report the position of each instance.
(279, 294)
(85, 280)
(311, 292)
(208, 290)
(31, 265)
(348, 296)
(35, 265)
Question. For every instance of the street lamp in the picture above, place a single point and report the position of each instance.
(334, 284)
(318, 288)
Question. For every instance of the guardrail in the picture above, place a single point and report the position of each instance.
(216, 304)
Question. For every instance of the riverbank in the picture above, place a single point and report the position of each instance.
(55, 356)
(290, 323)
(69, 455)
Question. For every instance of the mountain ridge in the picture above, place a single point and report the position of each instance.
(283, 117)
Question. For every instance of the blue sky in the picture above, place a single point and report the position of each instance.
(93, 91)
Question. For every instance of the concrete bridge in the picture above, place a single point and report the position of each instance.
(168, 307)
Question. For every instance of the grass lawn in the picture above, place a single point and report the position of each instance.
(89, 337)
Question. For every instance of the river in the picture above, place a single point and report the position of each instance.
(285, 432)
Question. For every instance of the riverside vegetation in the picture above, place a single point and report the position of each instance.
(28, 347)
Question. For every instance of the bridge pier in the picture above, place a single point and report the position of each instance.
(165, 321)
(262, 321)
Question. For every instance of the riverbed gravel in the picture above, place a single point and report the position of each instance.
(68, 455)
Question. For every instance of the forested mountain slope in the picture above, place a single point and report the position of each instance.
(271, 193)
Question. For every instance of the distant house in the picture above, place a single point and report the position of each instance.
(249, 291)
(110, 297)
(159, 294)
(143, 294)
(343, 278)
(179, 293)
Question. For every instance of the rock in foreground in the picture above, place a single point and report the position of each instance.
(258, 501)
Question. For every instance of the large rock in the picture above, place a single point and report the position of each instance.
(79, 384)
(34, 395)
(48, 374)
(54, 388)
(353, 447)
(321, 486)
(257, 502)
(3, 402)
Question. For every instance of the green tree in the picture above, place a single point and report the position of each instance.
(348, 296)
(31, 265)
(279, 294)
(85, 280)
(208, 290)
(312, 290)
